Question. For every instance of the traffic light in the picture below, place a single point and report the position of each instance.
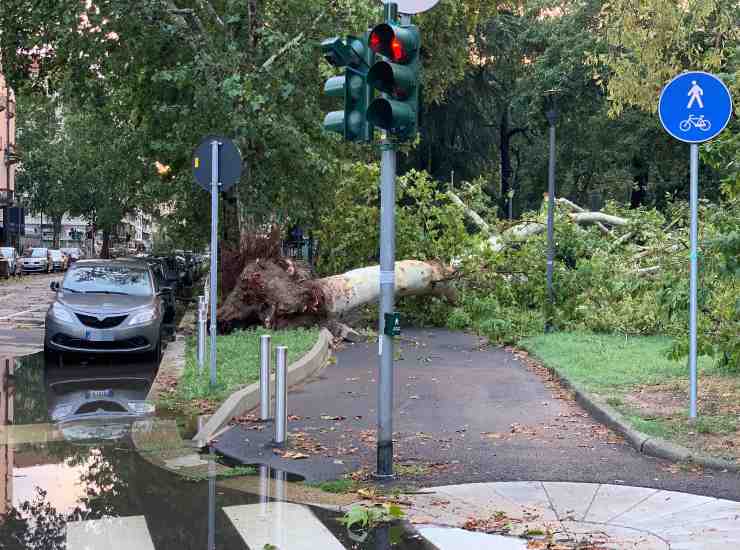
(398, 77)
(355, 56)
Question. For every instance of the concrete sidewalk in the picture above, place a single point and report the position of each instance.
(573, 515)
(464, 412)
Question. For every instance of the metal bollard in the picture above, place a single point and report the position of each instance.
(281, 395)
(265, 353)
(202, 308)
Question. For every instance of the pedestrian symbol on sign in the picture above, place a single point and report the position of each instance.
(695, 93)
(694, 107)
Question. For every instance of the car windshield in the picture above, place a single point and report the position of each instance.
(7, 252)
(35, 253)
(109, 279)
(56, 254)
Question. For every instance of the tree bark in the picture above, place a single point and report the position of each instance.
(279, 293)
(57, 226)
(585, 218)
(105, 250)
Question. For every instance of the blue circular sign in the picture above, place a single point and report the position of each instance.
(695, 107)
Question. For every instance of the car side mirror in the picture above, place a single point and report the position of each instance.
(54, 286)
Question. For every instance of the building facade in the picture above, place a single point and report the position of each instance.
(8, 156)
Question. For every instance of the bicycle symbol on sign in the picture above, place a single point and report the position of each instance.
(695, 121)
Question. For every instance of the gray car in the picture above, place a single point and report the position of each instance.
(105, 307)
(98, 407)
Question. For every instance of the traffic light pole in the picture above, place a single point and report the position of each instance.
(387, 296)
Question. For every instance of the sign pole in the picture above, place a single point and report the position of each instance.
(387, 295)
(214, 253)
(694, 107)
(694, 192)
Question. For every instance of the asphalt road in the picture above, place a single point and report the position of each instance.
(465, 412)
(23, 304)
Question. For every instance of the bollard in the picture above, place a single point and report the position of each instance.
(265, 353)
(281, 395)
(202, 308)
(264, 488)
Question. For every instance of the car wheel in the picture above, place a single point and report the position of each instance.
(156, 354)
(50, 354)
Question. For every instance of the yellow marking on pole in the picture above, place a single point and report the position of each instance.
(197, 162)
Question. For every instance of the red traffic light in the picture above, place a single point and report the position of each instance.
(395, 43)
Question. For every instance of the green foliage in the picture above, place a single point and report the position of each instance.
(366, 518)
(337, 486)
(428, 225)
(238, 364)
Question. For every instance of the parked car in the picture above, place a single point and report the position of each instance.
(106, 307)
(73, 253)
(8, 261)
(36, 260)
(162, 285)
(59, 260)
(97, 405)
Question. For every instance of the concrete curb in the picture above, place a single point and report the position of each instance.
(248, 398)
(643, 443)
(172, 364)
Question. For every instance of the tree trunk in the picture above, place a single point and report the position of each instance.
(279, 293)
(105, 250)
(505, 143)
(640, 171)
(57, 225)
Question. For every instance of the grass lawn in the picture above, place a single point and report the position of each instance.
(635, 376)
(237, 366)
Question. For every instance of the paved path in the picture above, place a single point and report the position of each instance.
(467, 413)
(575, 515)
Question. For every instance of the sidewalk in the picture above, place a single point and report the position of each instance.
(463, 413)
(573, 515)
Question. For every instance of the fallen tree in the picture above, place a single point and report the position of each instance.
(527, 229)
(263, 288)
(280, 293)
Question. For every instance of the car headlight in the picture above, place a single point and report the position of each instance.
(142, 317)
(60, 313)
(141, 407)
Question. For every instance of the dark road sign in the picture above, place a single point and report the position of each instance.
(229, 163)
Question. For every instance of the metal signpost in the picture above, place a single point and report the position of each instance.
(217, 166)
(694, 107)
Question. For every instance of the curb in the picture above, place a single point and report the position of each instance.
(248, 398)
(172, 364)
(643, 443)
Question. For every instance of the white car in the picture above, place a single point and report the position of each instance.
(36, 259)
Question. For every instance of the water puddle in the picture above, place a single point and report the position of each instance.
(70, 478)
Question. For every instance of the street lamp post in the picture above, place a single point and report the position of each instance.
(551, 113)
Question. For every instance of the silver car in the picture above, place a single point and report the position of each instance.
(100, 406)
(105, 307)
(36, 259)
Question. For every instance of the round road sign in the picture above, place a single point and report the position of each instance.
(412, 7)
(694, 107)
(229, 163)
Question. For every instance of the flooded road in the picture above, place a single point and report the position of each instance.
(70, 477)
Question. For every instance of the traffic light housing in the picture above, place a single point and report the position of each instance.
(398, 77)
(355, 56)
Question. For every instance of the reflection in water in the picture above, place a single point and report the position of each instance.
(47, 485)
(212, 501)
(6, 417)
